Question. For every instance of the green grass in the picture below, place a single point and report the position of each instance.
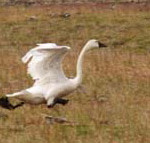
(115, 108)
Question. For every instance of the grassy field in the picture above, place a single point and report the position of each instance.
(116, 105)
(49, 2)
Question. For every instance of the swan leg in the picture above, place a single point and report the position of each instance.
(4, 102)
(50, 102)
(18, 105)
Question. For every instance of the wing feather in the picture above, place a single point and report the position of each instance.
(46, 62)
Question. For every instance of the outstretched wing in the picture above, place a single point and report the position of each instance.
(46, 61)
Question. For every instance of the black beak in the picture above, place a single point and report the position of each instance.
(101, 45)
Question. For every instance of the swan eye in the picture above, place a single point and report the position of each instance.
(101, 44)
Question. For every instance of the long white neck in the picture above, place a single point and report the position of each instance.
(79, 73)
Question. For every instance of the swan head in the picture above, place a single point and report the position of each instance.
(94, 44)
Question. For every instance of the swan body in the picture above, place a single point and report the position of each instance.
(44, 66)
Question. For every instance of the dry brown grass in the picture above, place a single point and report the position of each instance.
(115, 108)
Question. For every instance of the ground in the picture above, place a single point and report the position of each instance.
(115, 107)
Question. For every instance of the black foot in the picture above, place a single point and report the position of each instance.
(4, 102)
(18, 105)
(59, 101)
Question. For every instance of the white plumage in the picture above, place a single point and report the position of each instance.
(44, 66)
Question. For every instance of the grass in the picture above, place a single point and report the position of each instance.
(115, 108)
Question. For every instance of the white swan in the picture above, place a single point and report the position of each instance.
(44, 66)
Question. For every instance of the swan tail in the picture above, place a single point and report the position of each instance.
(16, 94)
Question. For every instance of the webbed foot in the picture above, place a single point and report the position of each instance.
(58, 101)
(4, 102)
(61, 101)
